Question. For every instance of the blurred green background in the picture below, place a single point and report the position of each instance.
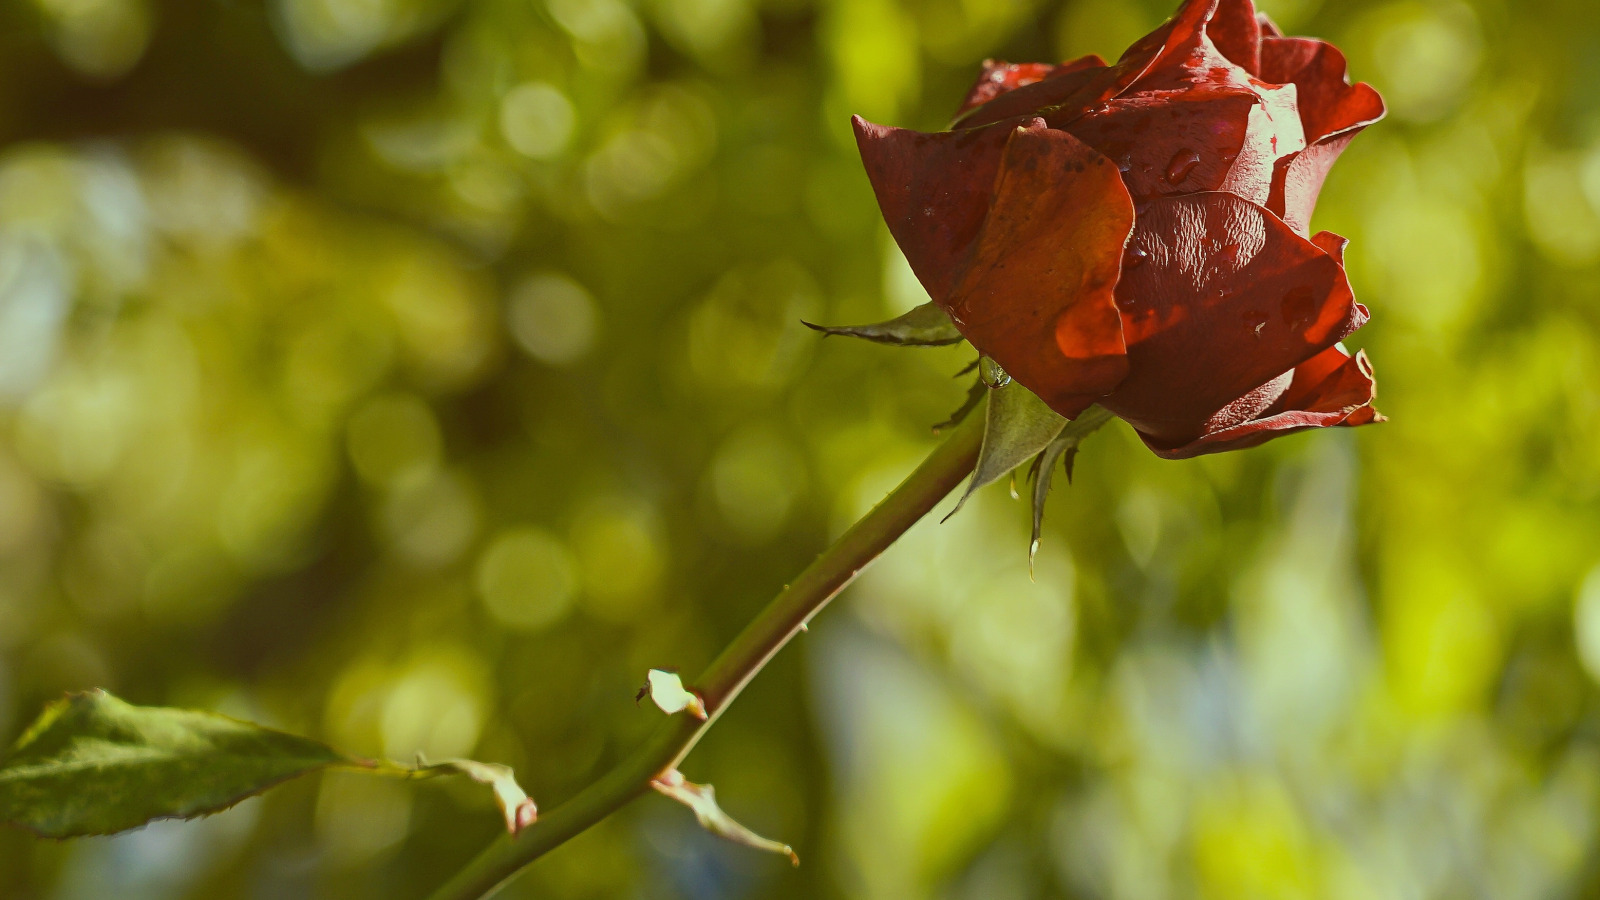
(415, 374)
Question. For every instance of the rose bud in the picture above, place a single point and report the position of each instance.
(1136, 235)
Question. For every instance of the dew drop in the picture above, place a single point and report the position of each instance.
(1181, 165)
(990, 373)
(1134, 258)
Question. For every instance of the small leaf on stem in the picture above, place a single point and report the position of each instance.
(666, 690)
(1018, 427)
(515, 804)
(1064, 448)
(702, 801)
(925, 326)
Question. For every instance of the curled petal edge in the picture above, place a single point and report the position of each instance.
(1000, 77)
(1332, 389)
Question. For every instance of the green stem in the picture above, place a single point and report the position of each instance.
(774, 627)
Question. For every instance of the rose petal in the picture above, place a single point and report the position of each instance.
(1039, 294)
(1329, 104)
(1197, 121)
(1169, 44)
(999, 76)
(1218, 298)
(1330, 389)
(1333, 111)
(1236, 32)
(1082, 63)
(1269, 28)
(1070, 92)
(1208, 138)
(934, 190)
(1067, 95)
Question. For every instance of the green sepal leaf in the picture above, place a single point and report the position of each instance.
(1017, 428)
(1063, 448)
(93, 764)
(702, 801)
(975, 395)
(925, 326)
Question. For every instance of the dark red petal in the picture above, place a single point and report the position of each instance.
(1236, 32)
(1171, 43)
(1330, 389)
(1092, 61)
(1332, 110)
(1197, 121)
(934, 190)
(1208, 138)
(1077, 89)
(1066, 95)
(1218, 298)
(1039, 292)
(1329, 104)
(1269, 28)
(998, 77)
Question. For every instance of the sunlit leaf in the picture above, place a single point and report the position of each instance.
(1018, 427)
(93, 764)
(702, 801)
(925, 326)
(666, 690)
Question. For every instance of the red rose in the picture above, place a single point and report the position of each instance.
(1136, 235)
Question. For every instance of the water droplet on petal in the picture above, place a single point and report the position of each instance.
(1182, 164)
(1134, 258)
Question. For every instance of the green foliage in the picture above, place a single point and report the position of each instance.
(92, 764)
(1062, 450)
(427, 398)
(1017, 427)
(925, 326)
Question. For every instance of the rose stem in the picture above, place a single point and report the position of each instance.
(783, 618)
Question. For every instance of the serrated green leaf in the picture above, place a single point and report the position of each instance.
(93, 764)
(702, 801)
(1018, 426)
(925, 326)
(1063, 447)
